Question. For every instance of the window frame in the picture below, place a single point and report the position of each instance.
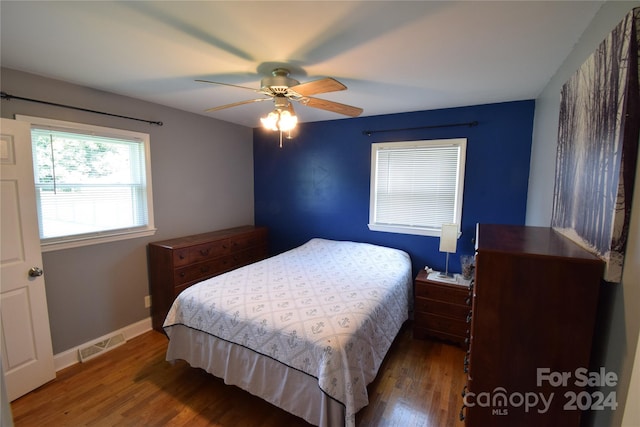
(93, 238)
(461, 143)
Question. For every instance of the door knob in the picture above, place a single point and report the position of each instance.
(35, 272)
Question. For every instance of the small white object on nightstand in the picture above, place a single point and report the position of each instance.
(457, 279)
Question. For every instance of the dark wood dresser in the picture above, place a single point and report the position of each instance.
(176, 264)
(533, 316)
(441, 309)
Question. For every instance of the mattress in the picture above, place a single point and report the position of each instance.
(326, 312)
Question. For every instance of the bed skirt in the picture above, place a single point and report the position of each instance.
(294, 391)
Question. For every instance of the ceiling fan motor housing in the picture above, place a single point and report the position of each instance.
(278, 82)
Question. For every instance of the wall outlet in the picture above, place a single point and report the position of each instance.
(147, 301)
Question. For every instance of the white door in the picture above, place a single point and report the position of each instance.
(27, 354)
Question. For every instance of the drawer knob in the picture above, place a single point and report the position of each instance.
(204, 252)
(469, 317)
(181, 256)
(182, 274)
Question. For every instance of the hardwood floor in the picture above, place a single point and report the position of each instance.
(419, 384)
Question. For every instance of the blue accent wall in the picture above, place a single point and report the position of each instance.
(318, 184)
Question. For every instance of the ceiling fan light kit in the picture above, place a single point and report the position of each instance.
(281, 119)
(284, 89)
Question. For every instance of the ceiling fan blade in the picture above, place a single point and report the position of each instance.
(235, 104)
(335, 107)
(228, 84)
(318, 86)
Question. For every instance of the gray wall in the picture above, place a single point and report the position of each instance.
(618, 334)
(202, 175)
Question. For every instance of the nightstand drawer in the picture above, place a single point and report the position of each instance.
(451, 293)
(442, 308)
(441, 323)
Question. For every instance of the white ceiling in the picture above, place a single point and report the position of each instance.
(394, 56)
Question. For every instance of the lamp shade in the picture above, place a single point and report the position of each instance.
(448, 238)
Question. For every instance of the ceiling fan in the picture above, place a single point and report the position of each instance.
(282, 89)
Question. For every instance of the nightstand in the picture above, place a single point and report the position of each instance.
(442, 308)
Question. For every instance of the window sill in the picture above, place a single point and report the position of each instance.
(405, 230)
(95, 240)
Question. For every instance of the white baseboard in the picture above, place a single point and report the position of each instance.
(71, 356)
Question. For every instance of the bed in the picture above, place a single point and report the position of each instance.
(306, 330)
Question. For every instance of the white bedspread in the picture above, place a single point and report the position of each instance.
(330, 309)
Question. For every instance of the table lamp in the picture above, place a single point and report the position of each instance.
(448, 241)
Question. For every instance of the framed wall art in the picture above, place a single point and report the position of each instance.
(597, 152)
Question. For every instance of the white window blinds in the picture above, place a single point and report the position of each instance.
(417, 186)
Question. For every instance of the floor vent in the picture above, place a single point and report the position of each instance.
(98, 348)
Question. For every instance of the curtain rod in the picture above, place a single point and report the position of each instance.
(469, 124)
(8, 97)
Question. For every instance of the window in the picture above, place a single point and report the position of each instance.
(93, 184)
(416, 186)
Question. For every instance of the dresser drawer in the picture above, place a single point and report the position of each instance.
(180, 257)
(197, 253)
(218, 265)
(442, 308)
(196, 272)
(244, 257)
(216, 249)
(208, 251)
(245, 241)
